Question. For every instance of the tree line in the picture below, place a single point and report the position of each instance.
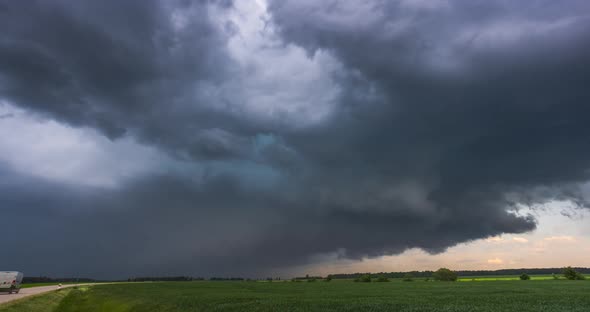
(524, 273)
(464, 273)
(45, 279)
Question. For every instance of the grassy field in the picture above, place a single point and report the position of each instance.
(539, 295)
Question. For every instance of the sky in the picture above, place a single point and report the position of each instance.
(280, 138)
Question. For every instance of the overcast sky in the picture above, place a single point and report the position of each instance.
(257, 138)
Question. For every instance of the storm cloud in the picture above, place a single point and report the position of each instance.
(260, 138)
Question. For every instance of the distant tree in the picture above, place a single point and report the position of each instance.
(363, 279)
(311, 280)
(444, 274)
(569, 273)
(572, 274)
(328, 278)
(382, 279)
(524, 277)
(408, 277)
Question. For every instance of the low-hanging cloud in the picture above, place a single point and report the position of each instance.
(444, 116)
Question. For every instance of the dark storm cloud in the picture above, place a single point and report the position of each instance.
(132, 67)
(451, 113)
(455, 104)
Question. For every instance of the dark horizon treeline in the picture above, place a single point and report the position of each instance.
(462, 273)
(425, 274)
(45, 279)
(181, 279)
(164, 279)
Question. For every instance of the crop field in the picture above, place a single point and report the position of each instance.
(337, 295)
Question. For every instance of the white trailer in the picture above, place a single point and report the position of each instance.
(10, 281)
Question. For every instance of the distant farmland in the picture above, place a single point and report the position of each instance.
(337, 295)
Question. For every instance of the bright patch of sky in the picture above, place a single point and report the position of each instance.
(45, 148)
(33, 145)
(277, 81)
(559, 240)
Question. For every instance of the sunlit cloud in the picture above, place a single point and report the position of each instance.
(520, 240)
(495, 239)
(495, 261)
(563, 238)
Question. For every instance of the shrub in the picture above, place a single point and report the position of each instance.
(382, 279)
(427, 279)
(572, 274)
(363, 279)
(408, 277)
(329, 278)
(311, 280)
(444, 274)
(555, 276)
(524, 277)
(569, 273)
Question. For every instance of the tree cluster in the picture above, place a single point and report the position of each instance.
(571, 274)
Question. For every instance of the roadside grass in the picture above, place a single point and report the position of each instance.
(540, 295)
(40, 303)
(85, 299)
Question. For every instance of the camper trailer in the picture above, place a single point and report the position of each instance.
(10, 281)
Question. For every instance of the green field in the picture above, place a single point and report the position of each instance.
(338, 295)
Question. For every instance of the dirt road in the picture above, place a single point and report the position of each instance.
(25, 292)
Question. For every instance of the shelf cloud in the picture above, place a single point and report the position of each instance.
(266, 134)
